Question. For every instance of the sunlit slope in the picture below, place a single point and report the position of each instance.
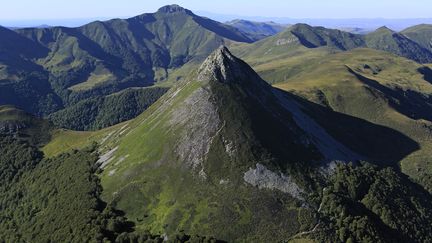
(372, 85)
(421, 34)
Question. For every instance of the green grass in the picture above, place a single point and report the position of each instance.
(65, 140)
(93, 81)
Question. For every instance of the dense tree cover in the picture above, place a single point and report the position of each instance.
(53, 200)
(181, 237)
(370, 204)
(15, 158)
(100, 112)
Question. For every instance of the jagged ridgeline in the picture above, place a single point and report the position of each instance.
(225, 154)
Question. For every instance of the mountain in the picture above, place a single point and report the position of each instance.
(223, 147)
(386, 39)
(105, 57)
(299, 38)
(197, 150)
(313, 37)
(257, 30)
(295, 38)
(421, 34)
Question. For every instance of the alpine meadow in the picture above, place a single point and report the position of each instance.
(174, 127)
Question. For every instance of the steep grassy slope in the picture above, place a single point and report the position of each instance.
(387, 40)
(257, 30)
(421, 34)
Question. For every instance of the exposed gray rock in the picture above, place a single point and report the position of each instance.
(280, 42)
(200, 121)
(262, 177)
(105, 159)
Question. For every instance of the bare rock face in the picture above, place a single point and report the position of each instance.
(200, 122)
(222, 66)
(262, 177)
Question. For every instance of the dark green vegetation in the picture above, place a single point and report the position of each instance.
(257, 30)
(16, 122)
(53, 199)
(366, 203)
(105, 111)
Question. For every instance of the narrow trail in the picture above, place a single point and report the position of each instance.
(314, 229)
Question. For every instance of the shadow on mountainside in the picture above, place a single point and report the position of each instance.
(378, 144)
(412, 104)
(427, 73)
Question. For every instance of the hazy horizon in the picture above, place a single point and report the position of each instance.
(333, 14)
(305, 9)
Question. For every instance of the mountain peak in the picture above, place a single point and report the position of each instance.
(224, 67)
(384, 29)
(174, 8)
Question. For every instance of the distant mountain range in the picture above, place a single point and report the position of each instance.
(257, 30)
(100, 58)
(366, 23)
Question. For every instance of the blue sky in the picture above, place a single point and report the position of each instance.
(64, 9)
